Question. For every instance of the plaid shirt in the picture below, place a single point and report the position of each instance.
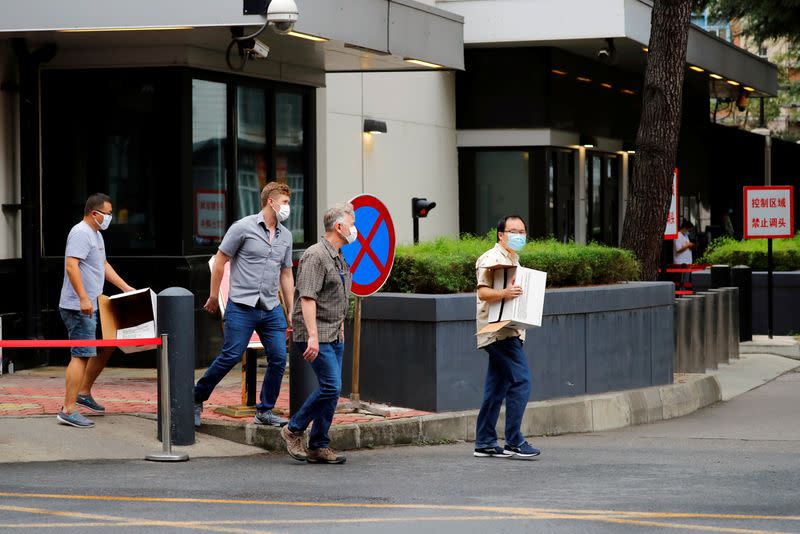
(324, 276)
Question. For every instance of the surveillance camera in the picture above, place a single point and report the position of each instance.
(282, 15)
(258, 50)
(607, 52)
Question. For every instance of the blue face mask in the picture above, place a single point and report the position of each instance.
(516, 241)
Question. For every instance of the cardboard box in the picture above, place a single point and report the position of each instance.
(130, 315)
(522, 312)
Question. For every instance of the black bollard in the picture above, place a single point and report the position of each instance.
(302, 380)
(176, 319)
(710, 323)
(742, 277)
(720, 276)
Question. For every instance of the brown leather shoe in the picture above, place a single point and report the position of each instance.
(325, 456)
(295, 444)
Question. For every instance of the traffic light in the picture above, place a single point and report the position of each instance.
(420, 207)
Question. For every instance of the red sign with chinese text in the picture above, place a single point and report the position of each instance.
(768, 211)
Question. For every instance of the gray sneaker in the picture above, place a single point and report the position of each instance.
(75, 419)
(269, 418)
(87, 401)
(198, 411)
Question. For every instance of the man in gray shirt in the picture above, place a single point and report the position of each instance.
(85, 271)
(259, 248)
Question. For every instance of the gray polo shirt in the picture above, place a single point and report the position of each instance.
(86, 244)
(255, 262)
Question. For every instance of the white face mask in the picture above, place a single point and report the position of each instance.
(283, 212)
(106, 221)
(352, 236)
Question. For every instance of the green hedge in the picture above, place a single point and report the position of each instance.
(753, 252)
(447, 265)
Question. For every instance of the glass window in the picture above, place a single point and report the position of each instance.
(113, 131)
(501, 186)
(595, 200)
(290, 157)
(251, 172)
(209, 175)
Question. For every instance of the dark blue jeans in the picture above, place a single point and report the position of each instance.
(240, 322)
(320, 406)
(509, 378)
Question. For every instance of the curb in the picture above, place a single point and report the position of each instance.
(786, 350)
(591, 413)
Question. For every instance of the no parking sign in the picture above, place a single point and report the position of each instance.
(371, 256)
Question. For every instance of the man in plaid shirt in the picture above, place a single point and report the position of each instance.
(321, 303)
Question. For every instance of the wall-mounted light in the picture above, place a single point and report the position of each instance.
(696, 69)
(421, 63)
(645, 49)
(628, 92)
(733, 82)
(583, 79)
(559, 72)
(587, 141)
(629, 147)
(606, 85)
(371, 126)
(308, 37)
(748, 89)
(715, 76)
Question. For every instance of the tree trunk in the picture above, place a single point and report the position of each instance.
(657, 139)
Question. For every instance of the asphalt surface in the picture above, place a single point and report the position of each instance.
(730, 468)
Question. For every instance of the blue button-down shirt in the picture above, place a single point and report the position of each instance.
(256, 262)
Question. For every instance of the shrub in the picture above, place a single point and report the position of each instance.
(753, 252)
(447, 265)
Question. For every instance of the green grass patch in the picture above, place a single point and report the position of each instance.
(447, 265)
(753, 252)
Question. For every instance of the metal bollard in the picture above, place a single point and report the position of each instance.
(723, 324)
(742, 277)
(680, 362)
(720, 276)
(697, 339)
(166, 454)
(710, 322)
(176, 319)
(302, 380)
(734, 334)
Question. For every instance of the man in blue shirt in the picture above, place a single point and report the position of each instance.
(259, 248)
(85, 272)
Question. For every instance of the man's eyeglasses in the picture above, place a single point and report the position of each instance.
(104, 213)
(518, 232)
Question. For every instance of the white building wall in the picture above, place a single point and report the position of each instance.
(9, 169)
(417, 157)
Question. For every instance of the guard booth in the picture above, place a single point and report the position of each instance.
(152, 103)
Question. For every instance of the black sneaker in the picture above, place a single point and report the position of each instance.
(492, 452)
(524, 450)
(87, 401)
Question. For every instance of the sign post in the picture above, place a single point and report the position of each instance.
(768, 214)
(370, 258)
(671, 228)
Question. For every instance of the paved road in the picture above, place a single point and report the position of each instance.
(730, 468)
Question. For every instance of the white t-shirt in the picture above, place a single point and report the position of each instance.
(684, 256)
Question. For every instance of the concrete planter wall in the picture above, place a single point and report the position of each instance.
(419, 350)
(786, 295)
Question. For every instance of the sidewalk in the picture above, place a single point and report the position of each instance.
(29, 399)
(133, 391)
